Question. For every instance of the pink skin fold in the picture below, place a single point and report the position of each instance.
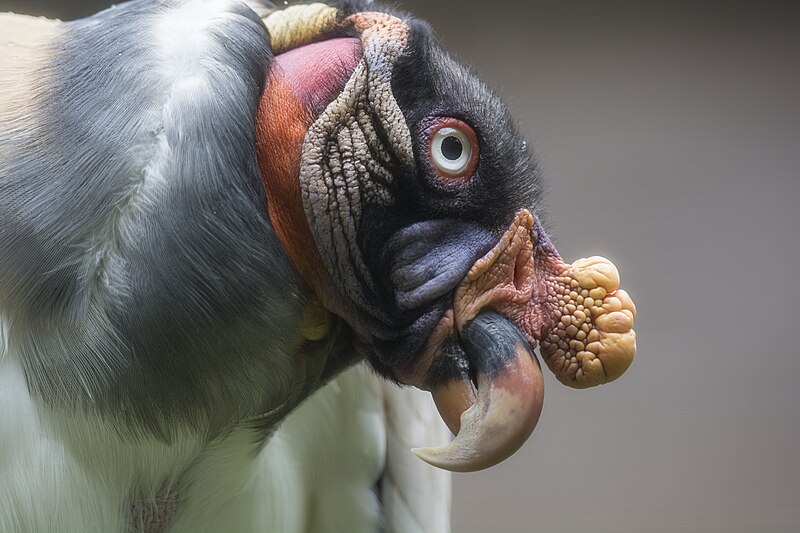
(317, 71)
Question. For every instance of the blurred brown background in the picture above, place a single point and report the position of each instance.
(670, 135)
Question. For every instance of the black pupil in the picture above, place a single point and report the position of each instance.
(452, 148)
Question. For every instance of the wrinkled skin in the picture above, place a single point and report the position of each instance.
(442, 273)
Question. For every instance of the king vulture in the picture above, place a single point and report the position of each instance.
(228, 232)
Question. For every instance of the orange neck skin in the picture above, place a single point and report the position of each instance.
(280, 129)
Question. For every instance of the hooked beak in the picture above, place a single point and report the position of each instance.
(487, 385)
(494, 421)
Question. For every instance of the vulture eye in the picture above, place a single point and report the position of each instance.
(453, 149)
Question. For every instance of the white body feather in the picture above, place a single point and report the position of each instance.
(319, 472)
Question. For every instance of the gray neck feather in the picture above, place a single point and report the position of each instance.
(139, 272)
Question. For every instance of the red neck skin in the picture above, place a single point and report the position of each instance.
(300, 84)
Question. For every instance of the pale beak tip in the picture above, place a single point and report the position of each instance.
(426, 454)
(441, 457)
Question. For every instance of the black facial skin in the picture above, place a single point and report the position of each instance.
(421, 247)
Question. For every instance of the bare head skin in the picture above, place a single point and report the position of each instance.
(363, 196)
(407, 200)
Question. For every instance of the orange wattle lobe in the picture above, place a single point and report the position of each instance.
(281, 125)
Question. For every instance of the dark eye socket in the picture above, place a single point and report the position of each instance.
(453, 149)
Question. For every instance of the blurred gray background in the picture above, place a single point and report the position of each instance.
(670, 135)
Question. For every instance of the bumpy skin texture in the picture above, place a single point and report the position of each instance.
(593, 341)
(577, 313)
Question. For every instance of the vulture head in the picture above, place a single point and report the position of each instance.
(202, 220)
(407, 200)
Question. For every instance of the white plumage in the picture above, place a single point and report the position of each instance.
(340, 463)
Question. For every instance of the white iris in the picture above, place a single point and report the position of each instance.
(451, 151)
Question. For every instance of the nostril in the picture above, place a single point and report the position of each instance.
(520, 272)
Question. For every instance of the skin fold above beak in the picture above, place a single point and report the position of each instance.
(520, 295)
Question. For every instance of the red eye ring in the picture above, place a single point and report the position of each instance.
(453, 150)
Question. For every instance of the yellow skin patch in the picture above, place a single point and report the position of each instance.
(299, 25)
(316, 324)
(593, 341)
